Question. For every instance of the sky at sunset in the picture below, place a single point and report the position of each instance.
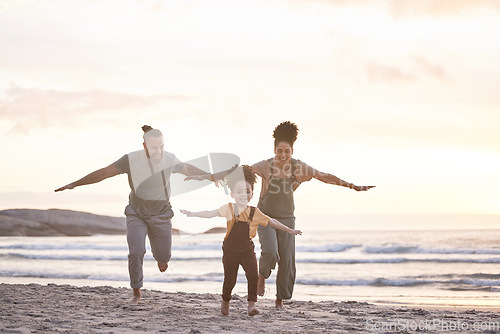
(400, 94)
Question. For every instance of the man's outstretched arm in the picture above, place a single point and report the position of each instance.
(93, 177)
(194, 173)
(190, 170)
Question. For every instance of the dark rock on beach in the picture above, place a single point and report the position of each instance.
(55, 222)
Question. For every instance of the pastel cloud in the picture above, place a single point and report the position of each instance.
(442, 7)
(435, 8)
(418, 67)
(33, 108)
(378, 72)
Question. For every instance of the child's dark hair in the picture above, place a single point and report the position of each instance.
(287, 132)
(235, 176)
(150, 132)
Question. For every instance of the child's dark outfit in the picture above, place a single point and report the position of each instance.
(238, 247)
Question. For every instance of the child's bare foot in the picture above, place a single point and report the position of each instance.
(261, 286)
(137, 297)
(251, 309)
(224, 307)
(162, 266)
(279, 303)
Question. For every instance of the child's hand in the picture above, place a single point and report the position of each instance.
(295, 232)
(187, 213)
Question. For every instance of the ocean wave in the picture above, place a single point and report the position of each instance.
(397, 260)
(65, 247)
(327, 248)
(456, 283)
(366, 282)
(402, 282)
(149, 257)
(400, 249)
(330, 248)
(485, 276)
(211, 277)
(67, 257)
(6, 273)
(124, 247)
(478, 282)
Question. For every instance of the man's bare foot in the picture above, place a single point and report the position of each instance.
(224, 307)
(261, 286)
(251, 309)
(279, 303)
(162, 266)
(137, 296)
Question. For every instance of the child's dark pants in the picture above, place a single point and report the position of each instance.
(232, 261)
(239, 249)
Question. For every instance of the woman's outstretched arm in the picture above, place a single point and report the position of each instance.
(305, 172)
(332, 179)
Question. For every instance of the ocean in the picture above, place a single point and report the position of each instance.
(404, 267)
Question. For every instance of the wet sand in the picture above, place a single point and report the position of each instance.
(35, 308)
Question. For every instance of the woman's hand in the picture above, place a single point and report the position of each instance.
(362, 188)
(187, 213)
(68, 186)
(295, 232)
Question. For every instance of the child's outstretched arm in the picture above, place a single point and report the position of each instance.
(276, 224)
(202, 214)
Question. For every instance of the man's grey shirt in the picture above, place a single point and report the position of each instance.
(149, 182)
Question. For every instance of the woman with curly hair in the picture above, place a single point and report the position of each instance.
(281, 175)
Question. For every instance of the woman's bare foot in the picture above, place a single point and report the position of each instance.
(162, 266)
(137, 296)
(251, 308)
(224, 307)
(279, 303)
(261, 286)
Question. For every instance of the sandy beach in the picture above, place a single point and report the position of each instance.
(35, 308)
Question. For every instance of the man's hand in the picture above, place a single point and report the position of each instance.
(218, 183)
(197, 177)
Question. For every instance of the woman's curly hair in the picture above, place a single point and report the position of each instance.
(287, 132)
